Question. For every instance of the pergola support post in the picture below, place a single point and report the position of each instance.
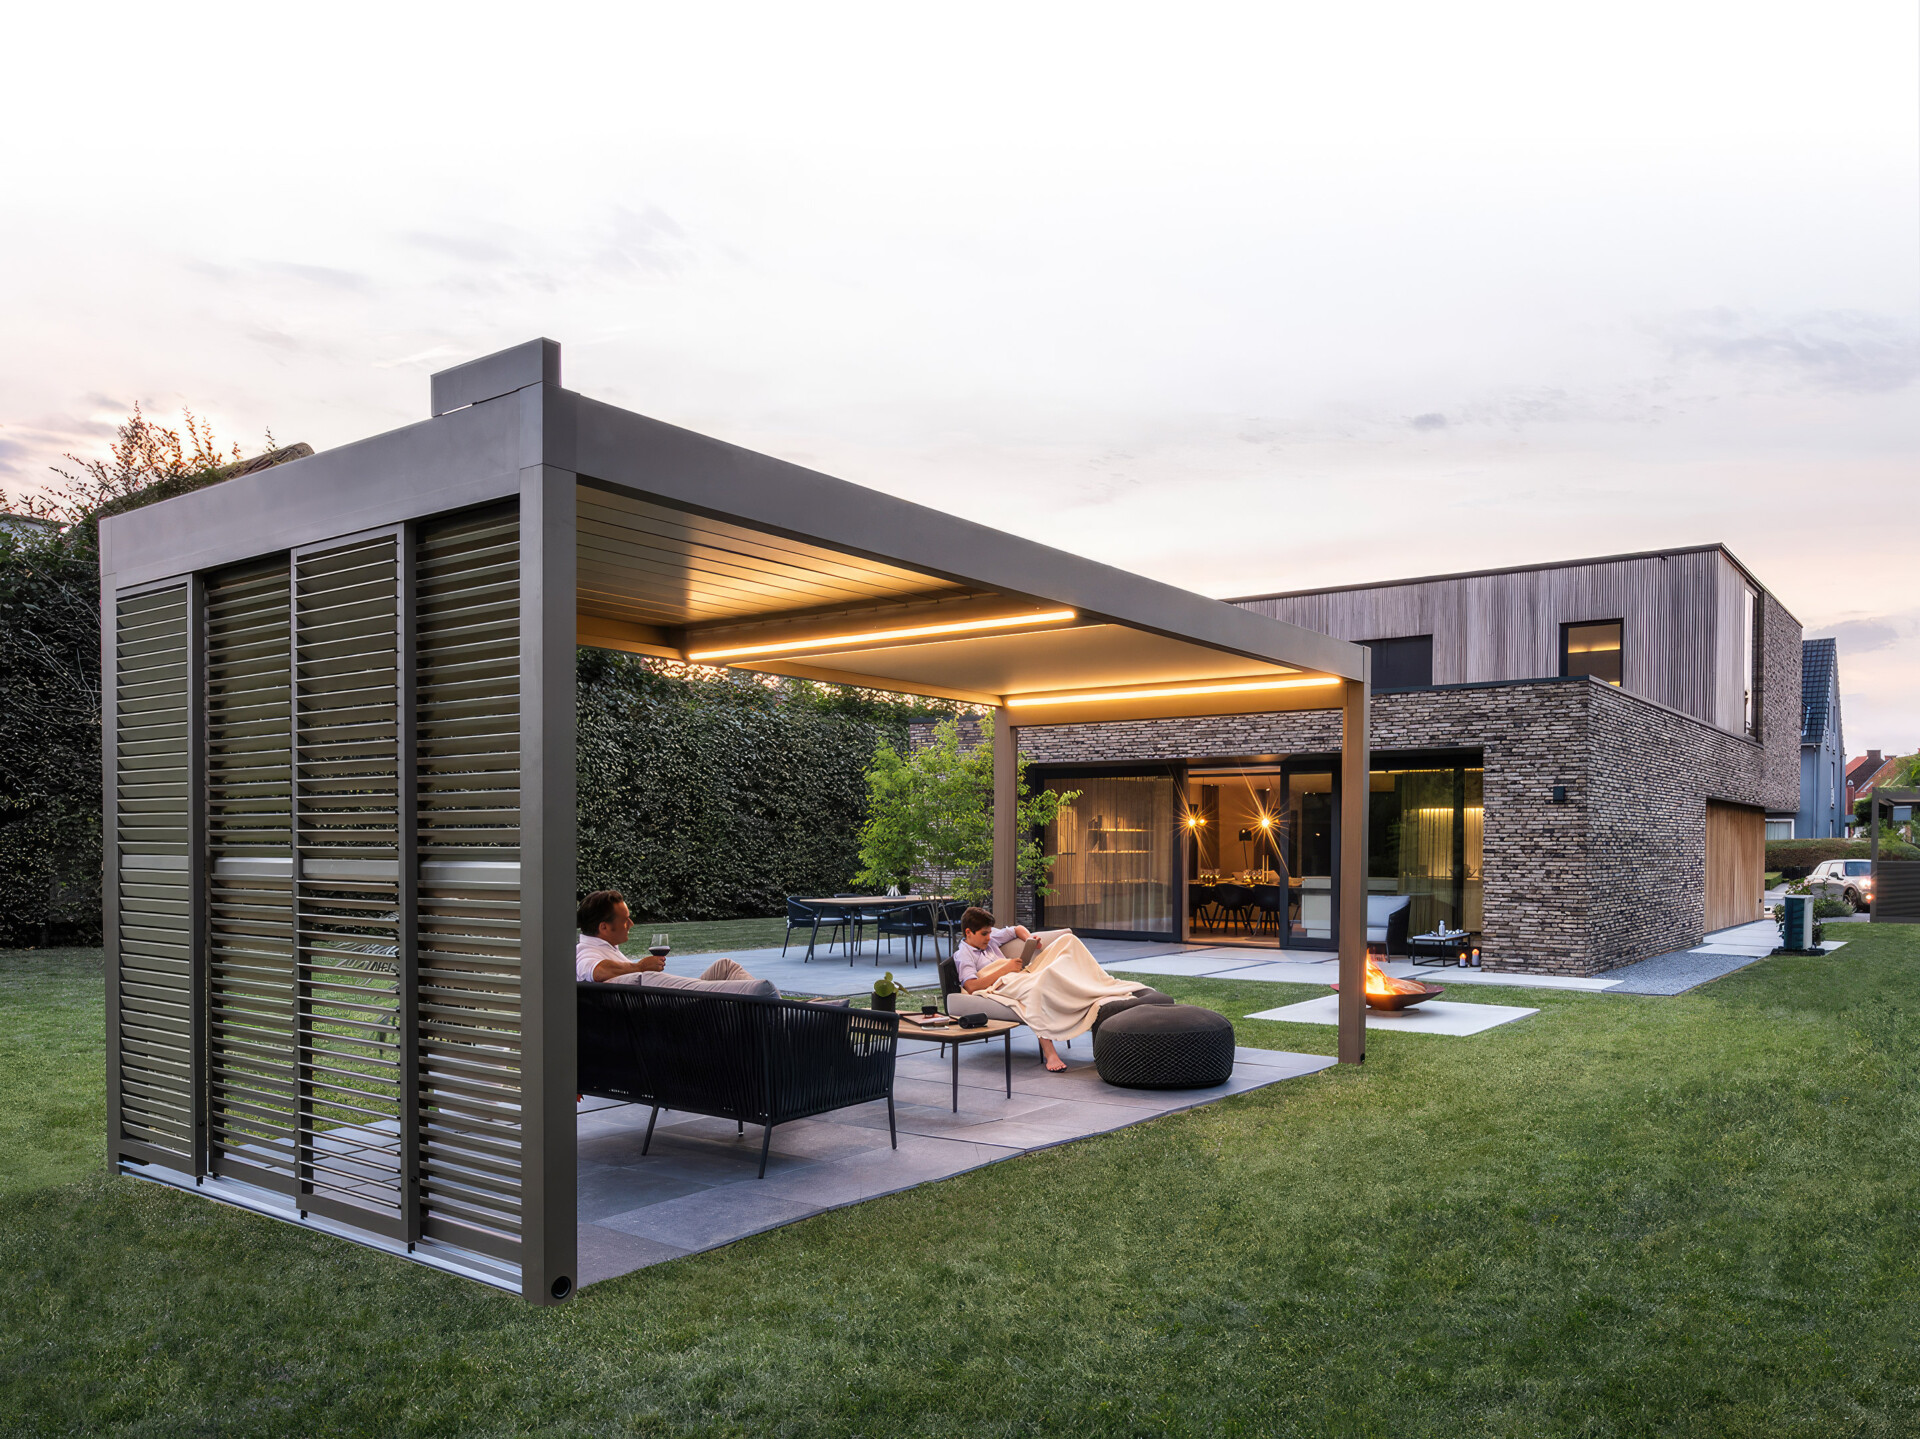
(1006, 818)
(548, 1240)
(1353, 871)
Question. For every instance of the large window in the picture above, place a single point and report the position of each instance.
(1402, 664)
(1424, 837)
(1593, 649)
(1114, 850)
(1750, 650)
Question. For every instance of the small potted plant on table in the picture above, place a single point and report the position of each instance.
(885, 991)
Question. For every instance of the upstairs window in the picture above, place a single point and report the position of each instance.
(1750, 667)
(1593, 649)
(1402, 664)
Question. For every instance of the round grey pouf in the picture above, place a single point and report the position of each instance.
(1165, 1046)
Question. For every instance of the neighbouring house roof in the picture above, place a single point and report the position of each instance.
(1819, 689)
(1887, 770)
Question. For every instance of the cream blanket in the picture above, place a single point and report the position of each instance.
(1060, 991)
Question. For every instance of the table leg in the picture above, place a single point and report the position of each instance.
(956, 1078)
(1006, 1045)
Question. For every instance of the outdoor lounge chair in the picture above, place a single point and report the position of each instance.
(1387, 917)
(956, 1001)
(740, 1057)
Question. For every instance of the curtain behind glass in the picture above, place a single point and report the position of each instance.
(1114, 851)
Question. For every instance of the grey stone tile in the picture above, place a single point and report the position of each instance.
(696, 1188)
(716, 1216)
(603, 1253)
(603, 1190)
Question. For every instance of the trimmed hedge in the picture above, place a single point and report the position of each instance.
(1795, 858)
(701, 796)
(49, 740)
(715, 796)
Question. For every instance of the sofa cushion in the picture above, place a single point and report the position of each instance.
(964, 1003)
(754, 988)
(1024, 949)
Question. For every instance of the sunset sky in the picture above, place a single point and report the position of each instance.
(1246, 298)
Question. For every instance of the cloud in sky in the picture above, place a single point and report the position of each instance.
(1247, 298)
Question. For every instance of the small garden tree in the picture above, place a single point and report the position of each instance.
(930, 819)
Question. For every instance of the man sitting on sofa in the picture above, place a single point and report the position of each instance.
(605, 923)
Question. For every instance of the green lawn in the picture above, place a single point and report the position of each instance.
(1624, 1215)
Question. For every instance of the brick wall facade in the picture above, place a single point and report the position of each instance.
(1616, 874)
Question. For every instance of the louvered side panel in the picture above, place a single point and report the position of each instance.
(468, 757)
(347, 1076)
(153, 814)
(250, 991)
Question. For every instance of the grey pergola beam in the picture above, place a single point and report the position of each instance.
(462, 459)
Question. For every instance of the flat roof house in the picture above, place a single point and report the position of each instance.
(1574, 761)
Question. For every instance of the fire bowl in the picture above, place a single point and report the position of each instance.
(1404, 1001)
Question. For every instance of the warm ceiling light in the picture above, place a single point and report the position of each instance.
(915, 632)
(1176, 693)
(1194, 821)
(1266, 821)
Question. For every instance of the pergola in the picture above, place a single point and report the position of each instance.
(339, 771)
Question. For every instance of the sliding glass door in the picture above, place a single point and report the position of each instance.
(1114, 851)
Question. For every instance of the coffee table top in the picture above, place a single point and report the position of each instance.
(948, 1033)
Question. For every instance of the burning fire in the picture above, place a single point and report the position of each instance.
(1381, 983)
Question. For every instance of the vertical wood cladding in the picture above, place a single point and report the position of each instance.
(1736, 863)
(1680, 613)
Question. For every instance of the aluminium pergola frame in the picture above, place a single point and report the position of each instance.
(340, 777)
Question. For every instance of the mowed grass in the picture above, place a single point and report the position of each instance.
(1621, 1216)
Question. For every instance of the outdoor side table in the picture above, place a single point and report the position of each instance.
(1435, 949)
(956, 1036)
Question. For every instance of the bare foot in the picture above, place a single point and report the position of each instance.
(1055, 1064)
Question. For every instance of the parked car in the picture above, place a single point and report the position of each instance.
(1848, 879)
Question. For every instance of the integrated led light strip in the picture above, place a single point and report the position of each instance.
(1183, 690)
(916, 632)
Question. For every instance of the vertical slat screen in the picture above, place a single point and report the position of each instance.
(250, 992)
(468, 757)
(153, 813)
(348, 1072)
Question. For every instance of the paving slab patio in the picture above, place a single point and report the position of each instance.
(695, 1187)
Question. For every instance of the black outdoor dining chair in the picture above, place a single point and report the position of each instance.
(913, 923)
(1201, 898)
(1234, 901)
(1270, 905)
(805, 916)
(952, 911)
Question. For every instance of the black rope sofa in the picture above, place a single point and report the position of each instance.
(740, 1057)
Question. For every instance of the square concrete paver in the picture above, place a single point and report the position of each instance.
(695, 1187)
(1436, 1016)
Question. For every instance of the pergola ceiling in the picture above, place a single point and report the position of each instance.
(647, 564)
(660, 580)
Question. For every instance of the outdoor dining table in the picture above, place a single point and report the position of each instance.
(880, 903)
